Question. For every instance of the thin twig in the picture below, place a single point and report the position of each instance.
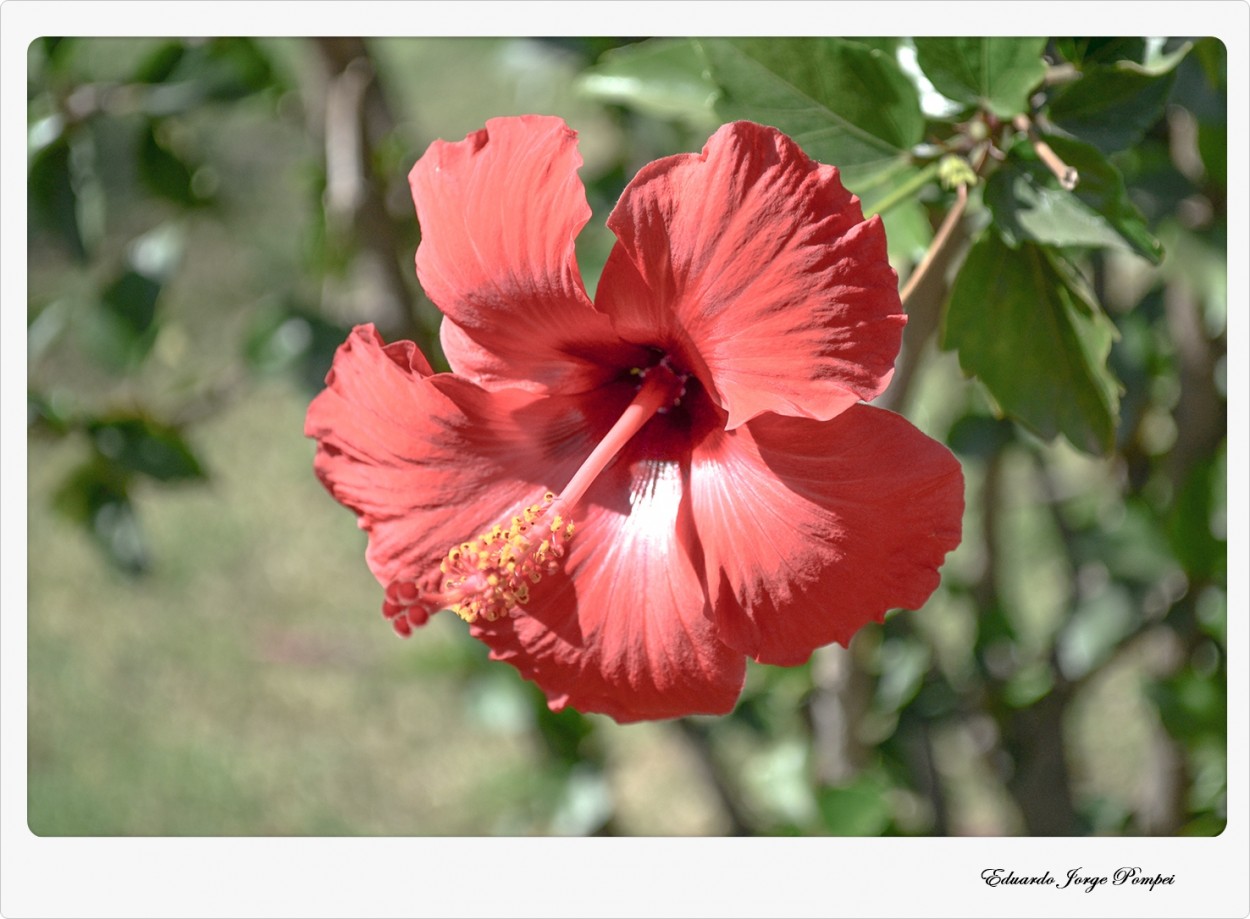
(940, 242)
(1068, 177)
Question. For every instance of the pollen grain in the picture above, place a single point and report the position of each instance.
(491, 575)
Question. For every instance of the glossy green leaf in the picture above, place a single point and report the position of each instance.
(121, 327)
(163, 171)
(1101, 188)
(52, 198)
(1093, 51)
(96, 496)
(160, 63)
(1196, 504)
(1029, 203)
(147, 447)
(289, 339)
(131, 299)
(1024, 326)
(1111, 108)
(662, 77)
(996, 74)
(843, 102)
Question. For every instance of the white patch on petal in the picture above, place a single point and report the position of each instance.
(653, 500)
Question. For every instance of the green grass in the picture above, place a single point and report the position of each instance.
(249, 684)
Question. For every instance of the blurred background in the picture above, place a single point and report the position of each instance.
(209, 217)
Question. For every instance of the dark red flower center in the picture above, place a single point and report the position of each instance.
(490, 576)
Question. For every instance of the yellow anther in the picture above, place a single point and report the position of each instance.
(489, 577)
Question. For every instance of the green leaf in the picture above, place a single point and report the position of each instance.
(1095, 51)
(159, 64)
(1191, 706)
(1140, 55)
(96, 496)
(1101, 188)
(979, 436)
(1213, 148)
(861, 808)
(661, 77)
(1024, 326)
(52, 198)
(120, 330)
(996, 74)
(146, 447)
(1111, 107)
(844, 103)
(163, 171)
(131, 300)
(225, 69)
(1200, 550)
(1029, 203)
(292, 339)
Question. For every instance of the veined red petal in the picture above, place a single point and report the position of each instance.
(625, 629)
(427, 462)
(755, 265)
(812, 529)
(499, 212)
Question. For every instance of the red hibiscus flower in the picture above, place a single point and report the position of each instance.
(627, 497)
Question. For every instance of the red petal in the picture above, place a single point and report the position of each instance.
(427, 462)
(813, 529)
(626, 628)
(754, 265)
(499, 212)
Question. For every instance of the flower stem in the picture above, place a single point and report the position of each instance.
(660, 387)
(906, 190)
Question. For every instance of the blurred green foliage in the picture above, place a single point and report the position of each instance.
(200, 242)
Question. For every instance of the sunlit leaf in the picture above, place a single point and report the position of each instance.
(1191, 705)
(1022, 324)
(160, 64)
(843, 102)
(996, 74)
(662, 77)
(1096, 626)
(1029, 203)
(861, 808)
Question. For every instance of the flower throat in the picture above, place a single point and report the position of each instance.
(489, 576)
